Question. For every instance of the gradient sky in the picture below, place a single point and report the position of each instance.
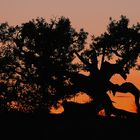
(92, 15)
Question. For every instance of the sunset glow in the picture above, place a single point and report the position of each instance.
(92, 15)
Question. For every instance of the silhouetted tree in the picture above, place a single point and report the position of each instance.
(38, 58)
(114, 52)
(42, 56)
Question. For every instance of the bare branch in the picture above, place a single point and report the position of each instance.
(94, 59)
(103, 57)
(125, 88)
(82, 59)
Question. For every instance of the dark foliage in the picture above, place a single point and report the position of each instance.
(37, 68)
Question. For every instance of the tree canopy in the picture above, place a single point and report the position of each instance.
(38, 55)
(37, 68)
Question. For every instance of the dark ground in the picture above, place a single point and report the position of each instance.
(43, 127)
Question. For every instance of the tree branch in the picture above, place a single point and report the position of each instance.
(125, 88)
(94, 59)
(116, 53)
(82, 59)
(103, 57)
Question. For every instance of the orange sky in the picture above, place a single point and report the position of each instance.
(92, 15)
